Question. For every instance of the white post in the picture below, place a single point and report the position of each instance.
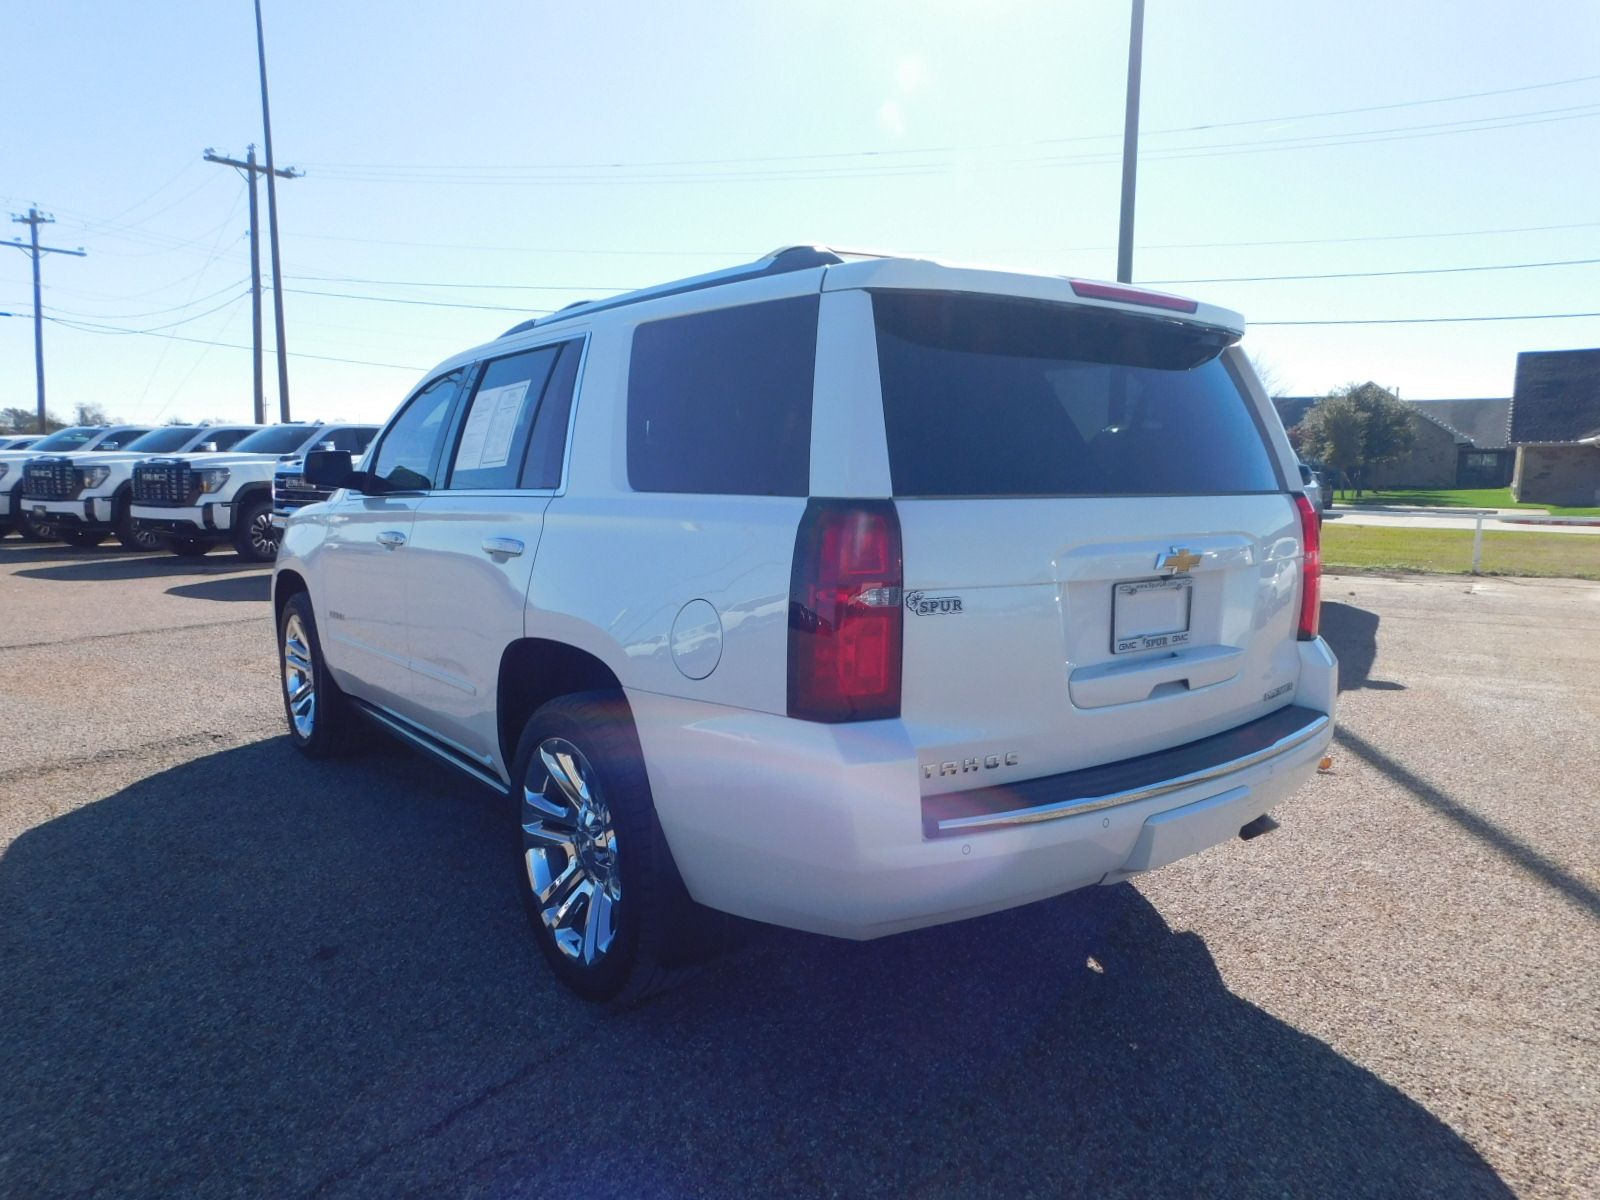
(1477, 547)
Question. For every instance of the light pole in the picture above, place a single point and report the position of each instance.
(1130, 146)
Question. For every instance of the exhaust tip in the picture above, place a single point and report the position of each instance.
(1262, 824)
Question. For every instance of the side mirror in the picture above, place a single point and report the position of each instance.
(330, 469)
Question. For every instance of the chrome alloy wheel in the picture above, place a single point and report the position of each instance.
(299, 677)
(264, 536)
(570, 846)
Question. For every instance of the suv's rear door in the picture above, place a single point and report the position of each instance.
(1101, 557)
(473, 541)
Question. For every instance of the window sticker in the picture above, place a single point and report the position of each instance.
(491, 426)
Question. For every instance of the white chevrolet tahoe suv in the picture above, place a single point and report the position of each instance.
(193, 502)
(845, 593)
(86, 497)
(17, 513)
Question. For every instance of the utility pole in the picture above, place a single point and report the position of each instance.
(1130, 146)
(272, 223)
(33, 220)
(250, 170)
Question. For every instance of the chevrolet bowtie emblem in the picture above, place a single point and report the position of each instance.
(1178, 560)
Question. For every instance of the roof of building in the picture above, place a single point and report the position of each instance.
(1484, 422)
(1557, 397)
(1292, 409)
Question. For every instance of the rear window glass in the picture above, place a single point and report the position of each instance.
(720, 402)
(987, 396)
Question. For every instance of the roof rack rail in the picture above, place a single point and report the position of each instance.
(780, 262)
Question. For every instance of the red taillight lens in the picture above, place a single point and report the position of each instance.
(1310, 570)
(845, 616)
(1090, 290)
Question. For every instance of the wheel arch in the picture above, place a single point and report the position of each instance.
(286, 584)
(534, 671)
(251, 491)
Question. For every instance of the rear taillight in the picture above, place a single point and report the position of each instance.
(845, 617)
(1310, 569)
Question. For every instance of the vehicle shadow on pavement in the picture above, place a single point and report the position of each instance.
(253, 975)
(1353, 635)
(230, 588)
(144, 566)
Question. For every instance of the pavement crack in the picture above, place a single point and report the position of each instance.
(162, 631)
(204, 738)
(451, 1116)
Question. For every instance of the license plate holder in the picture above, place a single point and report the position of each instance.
(1151, 614)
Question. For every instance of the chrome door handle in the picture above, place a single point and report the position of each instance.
(390, 539)
(508, 547)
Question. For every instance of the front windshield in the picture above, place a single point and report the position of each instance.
(280, 439)
(68, 439)
(171, 437)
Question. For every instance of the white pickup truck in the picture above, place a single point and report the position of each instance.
(84, 498)
(192, 502)
(75, 438)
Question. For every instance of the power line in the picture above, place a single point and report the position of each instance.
(237, 346)
(427, 303)
(1381, 237)
(579, 287)
(520, 287)
(1566, 262)
(96, 325)
(541, 176)
(155, 312)
(696, 162)
(1437, 320)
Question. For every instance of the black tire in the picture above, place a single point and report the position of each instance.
(83, 539)
(187, 547)
(132, 535)
(29, 529)
(658, 933)
(254, 535)
(328, 729)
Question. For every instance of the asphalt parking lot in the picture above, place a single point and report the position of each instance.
(225, 972)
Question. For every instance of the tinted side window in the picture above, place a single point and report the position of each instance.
(406, 456)
(499, 416)
(542, 468)
(987, 396)
(720, 402)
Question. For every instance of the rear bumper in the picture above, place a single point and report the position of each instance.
(823, 827)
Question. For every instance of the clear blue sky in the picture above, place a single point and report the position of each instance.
(524, 155)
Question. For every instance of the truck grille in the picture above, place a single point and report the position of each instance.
(290, 492)
(173, 485)
(50, 479)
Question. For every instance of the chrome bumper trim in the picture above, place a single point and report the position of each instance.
(1087, 804)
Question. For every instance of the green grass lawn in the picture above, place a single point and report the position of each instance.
(1457, 498)
(1449, 551)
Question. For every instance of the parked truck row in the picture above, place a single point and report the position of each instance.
(180, 488)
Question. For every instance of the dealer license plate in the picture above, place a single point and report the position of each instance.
(1151, 614)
